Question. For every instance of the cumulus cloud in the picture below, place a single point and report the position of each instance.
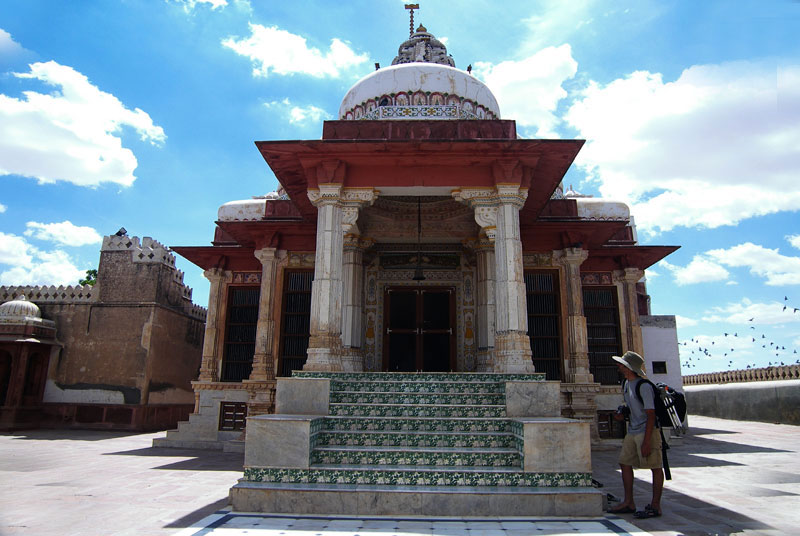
(685, 321)
(272, 50)
(189, 5)
(555, 21)
(71, 134)
(64, 233)
(794, 240)
(708, 149)
(298, 115)
(777, 269)
(699, 270)
(28, 265)
(3, 208)
(530, 89)
(9, 47)
(749, 313)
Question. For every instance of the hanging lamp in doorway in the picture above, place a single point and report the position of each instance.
(418, 275)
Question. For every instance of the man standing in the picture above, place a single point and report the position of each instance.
(641, 447)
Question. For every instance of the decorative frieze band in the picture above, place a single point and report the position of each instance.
(246, 278)
(596, 278)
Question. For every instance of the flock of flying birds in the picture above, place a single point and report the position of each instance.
(783, 356)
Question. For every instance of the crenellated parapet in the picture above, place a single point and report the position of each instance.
(146, 251)
(784, 372)
(51, 294)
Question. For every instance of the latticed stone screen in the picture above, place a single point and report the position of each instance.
(543, 322)
(295, 321)
(240, 333)
(602, 326)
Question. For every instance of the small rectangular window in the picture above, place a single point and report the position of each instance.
(659, 367)
(232, 416)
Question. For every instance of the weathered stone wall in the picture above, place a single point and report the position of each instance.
(130, 343)
(768, 401)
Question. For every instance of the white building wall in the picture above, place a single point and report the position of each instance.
(660, 340)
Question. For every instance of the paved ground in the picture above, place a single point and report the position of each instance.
(728, 477)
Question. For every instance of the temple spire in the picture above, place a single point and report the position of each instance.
(411, 8)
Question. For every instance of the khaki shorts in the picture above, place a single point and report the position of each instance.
(631, 453)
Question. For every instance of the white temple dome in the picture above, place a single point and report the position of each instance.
(421, 83)
(19, 308)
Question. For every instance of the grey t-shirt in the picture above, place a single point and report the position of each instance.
(638, 418)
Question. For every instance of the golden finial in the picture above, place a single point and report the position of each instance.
(411, 8)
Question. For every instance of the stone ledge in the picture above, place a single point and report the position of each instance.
(376, 500)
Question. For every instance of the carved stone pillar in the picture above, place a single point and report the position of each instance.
(263, 360)
(577, 362)
(630, 309)
(337, 212)
(497, 212)
(512, 345)
(484, 251)
(209, 371)
(352, 306)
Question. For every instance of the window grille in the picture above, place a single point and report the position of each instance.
(295, 321)
(544, 322)
(602, 326)
(240, 333)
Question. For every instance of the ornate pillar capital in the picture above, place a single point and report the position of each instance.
(570, 256)
(632, 275)
(265, 255)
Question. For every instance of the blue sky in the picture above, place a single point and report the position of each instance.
(143, 114)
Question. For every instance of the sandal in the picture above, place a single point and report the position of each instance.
(648, 512)
(623, 510)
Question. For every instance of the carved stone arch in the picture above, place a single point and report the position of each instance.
(419, 99)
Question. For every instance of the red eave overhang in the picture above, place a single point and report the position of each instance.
(550, 235)
(225, 257)
(450, 163)
(608, 258)
(293, 235)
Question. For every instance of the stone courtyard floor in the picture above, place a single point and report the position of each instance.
(729, 477)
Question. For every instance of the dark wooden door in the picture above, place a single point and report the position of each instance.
(420, 329)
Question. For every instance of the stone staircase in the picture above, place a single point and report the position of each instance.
(417, 444)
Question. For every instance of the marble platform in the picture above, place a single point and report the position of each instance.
(417, 444)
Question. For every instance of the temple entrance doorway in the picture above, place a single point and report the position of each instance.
(420, 329)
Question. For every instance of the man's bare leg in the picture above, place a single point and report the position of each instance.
(628, 503)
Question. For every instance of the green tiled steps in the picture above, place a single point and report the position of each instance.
(361, 443)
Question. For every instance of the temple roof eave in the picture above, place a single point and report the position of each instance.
(419, 163)
(609, 258)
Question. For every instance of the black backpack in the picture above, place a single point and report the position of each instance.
(669, 404)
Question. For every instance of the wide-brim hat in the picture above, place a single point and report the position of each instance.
(632, 361)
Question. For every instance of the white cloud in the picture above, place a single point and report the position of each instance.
(298, 115)
(794, 240)
(31, 266)
(556, 21)
(706, 150)
(9, 47)
(64, 233)
(189, 5)
(529, 89)
(3, 208)
(274, 50)
(15, 250)
(777, 269)
(70, 134)
(684, 321)
(760, 313)
(699, 270)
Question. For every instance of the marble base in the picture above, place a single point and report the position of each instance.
(375, 500)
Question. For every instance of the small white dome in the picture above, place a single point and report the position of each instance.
(417, 84)
(20, 308)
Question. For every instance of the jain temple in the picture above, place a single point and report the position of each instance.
(420, 320)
